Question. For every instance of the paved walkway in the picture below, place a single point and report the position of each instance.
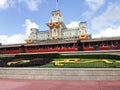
(14, 84)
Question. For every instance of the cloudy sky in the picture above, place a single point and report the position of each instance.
(18, 16)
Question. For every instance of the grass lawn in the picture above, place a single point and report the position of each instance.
(81, 63)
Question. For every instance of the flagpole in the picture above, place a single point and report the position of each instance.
(56, 5)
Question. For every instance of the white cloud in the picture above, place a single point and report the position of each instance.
(14, 39)
(95, 4)
(11, 3)
(108, 18)
(3, 4)
(108, 22)
(73, 24)
(7, 3)
(108, 32)
(18, 38)
(28, 25)
(33, 5)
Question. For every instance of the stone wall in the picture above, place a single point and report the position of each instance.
(61, 73)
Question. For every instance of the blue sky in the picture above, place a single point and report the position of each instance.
(18, 16)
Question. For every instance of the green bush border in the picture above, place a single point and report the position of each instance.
(30, 56)
(58, 55)
(93, 56)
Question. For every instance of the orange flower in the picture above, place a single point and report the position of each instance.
(76, 60)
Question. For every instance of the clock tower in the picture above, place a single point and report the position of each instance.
(56, 25)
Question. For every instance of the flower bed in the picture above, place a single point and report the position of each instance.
(24, 63)
(64, 61)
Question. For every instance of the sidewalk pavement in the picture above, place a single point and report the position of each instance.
(17, 84)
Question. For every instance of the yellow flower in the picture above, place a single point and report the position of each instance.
(58, 63)
(66, 60)
(107, 61)
(117, 61)
(10, 63)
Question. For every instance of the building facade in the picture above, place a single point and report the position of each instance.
(58, 29)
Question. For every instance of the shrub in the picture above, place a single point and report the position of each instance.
(93, 56)
(30, 56)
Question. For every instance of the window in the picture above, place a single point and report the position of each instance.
(91, 44)
(86, 44)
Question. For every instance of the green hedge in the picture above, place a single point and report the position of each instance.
(57, 55)
(30, 56)
(6, 58)
(94, 56)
